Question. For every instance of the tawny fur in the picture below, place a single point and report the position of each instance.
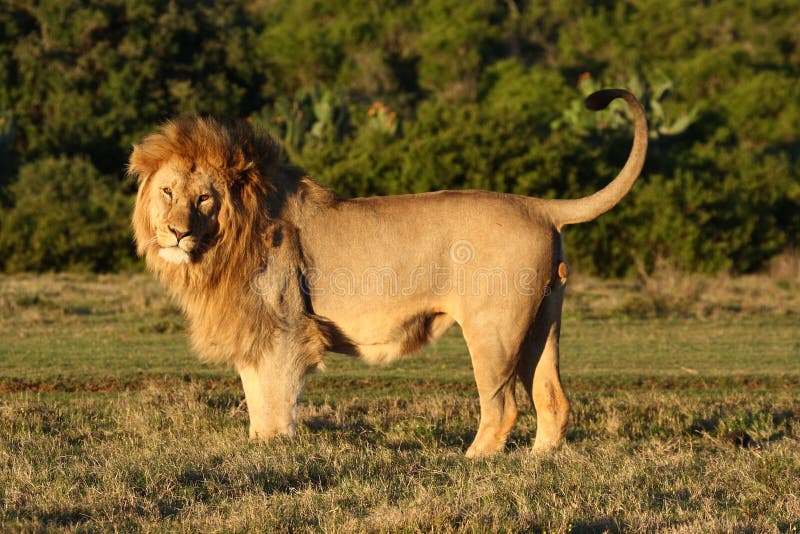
(272, 269)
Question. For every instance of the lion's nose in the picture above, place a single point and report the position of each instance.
(178, 234)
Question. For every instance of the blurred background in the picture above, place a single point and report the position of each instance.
(391, 97)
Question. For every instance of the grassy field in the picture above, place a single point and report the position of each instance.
(685, 395)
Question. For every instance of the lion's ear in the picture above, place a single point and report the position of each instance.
(139, 166)
(148, 156)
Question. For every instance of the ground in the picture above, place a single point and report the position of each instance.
(685, 393)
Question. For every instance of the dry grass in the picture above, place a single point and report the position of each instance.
(30, 299)
(785, 267)
(678, 424)
(173, 458)
(667, 292)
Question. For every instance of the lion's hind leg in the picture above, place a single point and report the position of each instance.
(494, 369)
(538, 370)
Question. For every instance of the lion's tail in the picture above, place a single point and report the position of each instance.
(585, 209)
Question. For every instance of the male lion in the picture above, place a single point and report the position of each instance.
(272, 269)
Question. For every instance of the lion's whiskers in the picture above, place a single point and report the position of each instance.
(147, 243)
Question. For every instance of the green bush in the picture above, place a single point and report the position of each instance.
(65, 216)
(398, 97)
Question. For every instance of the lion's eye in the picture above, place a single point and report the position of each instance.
(203, 198)
(167, 191)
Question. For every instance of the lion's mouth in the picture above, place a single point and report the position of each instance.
(178, 251)
(175, 255)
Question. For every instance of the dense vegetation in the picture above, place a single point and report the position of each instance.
(405, 96)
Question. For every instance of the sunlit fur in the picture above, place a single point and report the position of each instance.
(251, 181)
(252, 249)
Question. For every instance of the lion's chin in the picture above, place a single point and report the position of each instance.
(174, 255)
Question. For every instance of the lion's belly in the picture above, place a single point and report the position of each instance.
(379, 335)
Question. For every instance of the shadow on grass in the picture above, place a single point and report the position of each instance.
(596, 526)
(324, 425)
(272, 481)
(208, 483)
(412, 439)
(739, 427)
(64, 518)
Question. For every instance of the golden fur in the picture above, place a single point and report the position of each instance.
(272, 269)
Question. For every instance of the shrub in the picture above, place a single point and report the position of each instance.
(66, 215)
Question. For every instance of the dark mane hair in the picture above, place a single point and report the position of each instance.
(233, 148)
(265, 199)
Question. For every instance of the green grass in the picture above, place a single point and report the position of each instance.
(686, 420)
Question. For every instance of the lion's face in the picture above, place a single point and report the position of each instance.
(184, 206)
(201, 181)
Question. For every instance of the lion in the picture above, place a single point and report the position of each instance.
(273, 269)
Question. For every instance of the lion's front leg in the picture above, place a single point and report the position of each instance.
(272, 390)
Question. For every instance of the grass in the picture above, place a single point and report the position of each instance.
(685, 418)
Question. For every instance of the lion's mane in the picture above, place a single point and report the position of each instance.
(228, 316)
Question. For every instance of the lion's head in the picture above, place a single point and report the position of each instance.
(201, 182)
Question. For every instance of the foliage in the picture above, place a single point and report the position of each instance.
(396, 97)
(65, 216)
(577, 121)
(6, 146)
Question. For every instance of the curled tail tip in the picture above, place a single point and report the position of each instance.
(602, 98)
(587, 208)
